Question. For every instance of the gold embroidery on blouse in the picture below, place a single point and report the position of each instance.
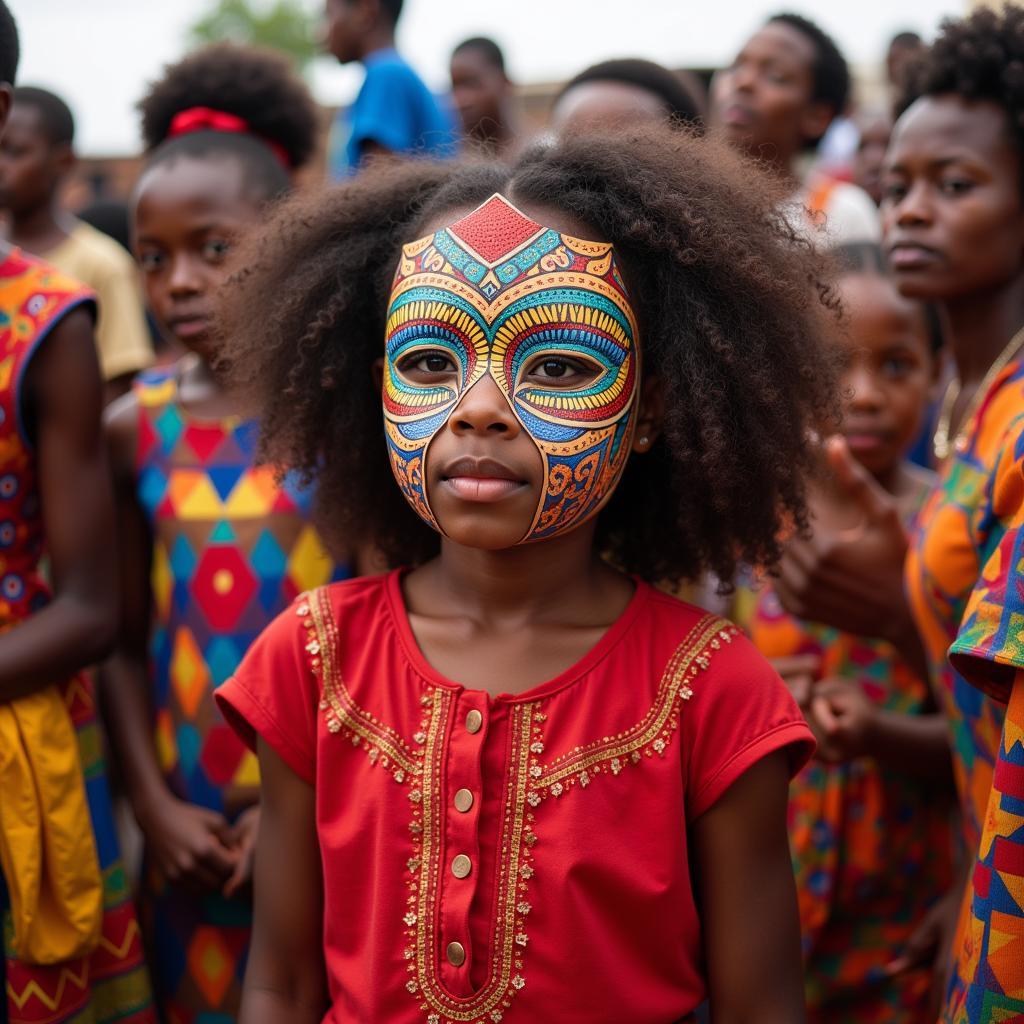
(648, 737)
(532, 782)
(341, 712)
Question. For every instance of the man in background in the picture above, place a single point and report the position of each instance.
(36, 157)
(484, 97)
(394, 112)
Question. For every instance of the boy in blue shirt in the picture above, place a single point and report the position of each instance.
(394, 112)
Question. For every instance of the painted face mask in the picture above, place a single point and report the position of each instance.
(496, 293)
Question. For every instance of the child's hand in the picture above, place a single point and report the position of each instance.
(798, 672)
(842, 717)
(243, 841)
(190, 844)
(929, 946)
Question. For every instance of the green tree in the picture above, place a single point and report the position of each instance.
(285, 25)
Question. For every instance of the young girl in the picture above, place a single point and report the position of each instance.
(512, 783)
(954, 222)
(72, 951)
(868, 825)
(212, 547)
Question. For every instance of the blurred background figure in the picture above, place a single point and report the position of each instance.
(905, 48)
(874, 128)
(484, 97)
(394, 112)
(36, 157)
(776, 101)
(625, 92)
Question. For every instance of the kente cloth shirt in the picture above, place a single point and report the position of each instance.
(964, 581)
(989, 653)
(518, 858)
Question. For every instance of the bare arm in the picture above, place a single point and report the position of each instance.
(63, 394)
(285, 982)
(744, 883)
(189, 843)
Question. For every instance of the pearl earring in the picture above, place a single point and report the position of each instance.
(643, 442)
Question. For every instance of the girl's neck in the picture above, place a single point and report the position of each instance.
(527, 583)
(981, 324)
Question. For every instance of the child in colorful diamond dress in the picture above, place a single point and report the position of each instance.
(510, 782)
(870, 815)
(212, 546)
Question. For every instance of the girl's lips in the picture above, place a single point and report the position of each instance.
(481, 488)
(863, 441)
(191, 327)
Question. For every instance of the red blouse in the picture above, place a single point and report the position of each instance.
(516, 858)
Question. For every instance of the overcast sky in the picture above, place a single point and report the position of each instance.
(99, 54)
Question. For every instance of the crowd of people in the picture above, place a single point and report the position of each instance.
(537, 574)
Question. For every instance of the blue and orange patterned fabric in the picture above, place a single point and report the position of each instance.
(989, 650)
(960, 571)
(110, 984)
(871, 845)
(231, 549)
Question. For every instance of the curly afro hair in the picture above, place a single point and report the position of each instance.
(729, 303)
(980, 57)
(257, 85)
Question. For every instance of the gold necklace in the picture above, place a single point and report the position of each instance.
(941, 443)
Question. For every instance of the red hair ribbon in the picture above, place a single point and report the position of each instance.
(206, 119)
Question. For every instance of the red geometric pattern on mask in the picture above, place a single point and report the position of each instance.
(495, 229)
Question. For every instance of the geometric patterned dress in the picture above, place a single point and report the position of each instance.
(231, 549)
(110, 984)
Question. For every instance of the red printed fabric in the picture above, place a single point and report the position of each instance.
(565, 879)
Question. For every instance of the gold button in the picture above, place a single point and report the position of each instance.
(463, 800)
(461, 866)
(474, 720)
(456, 954)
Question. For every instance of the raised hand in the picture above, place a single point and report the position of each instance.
(852, 578)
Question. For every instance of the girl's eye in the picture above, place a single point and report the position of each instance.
(150, 262)
(894, 191)
(957, 186)
(561, 371)
(215, 249)
(425, 363)
(896, 366)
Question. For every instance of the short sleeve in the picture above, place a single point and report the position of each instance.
(989, 647)
(384, 111)
(273, 695)
(121, 332)
(739, 713)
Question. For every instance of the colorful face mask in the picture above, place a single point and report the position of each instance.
(496, 293)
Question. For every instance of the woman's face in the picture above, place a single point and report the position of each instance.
(951, 207)
(511, 376)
